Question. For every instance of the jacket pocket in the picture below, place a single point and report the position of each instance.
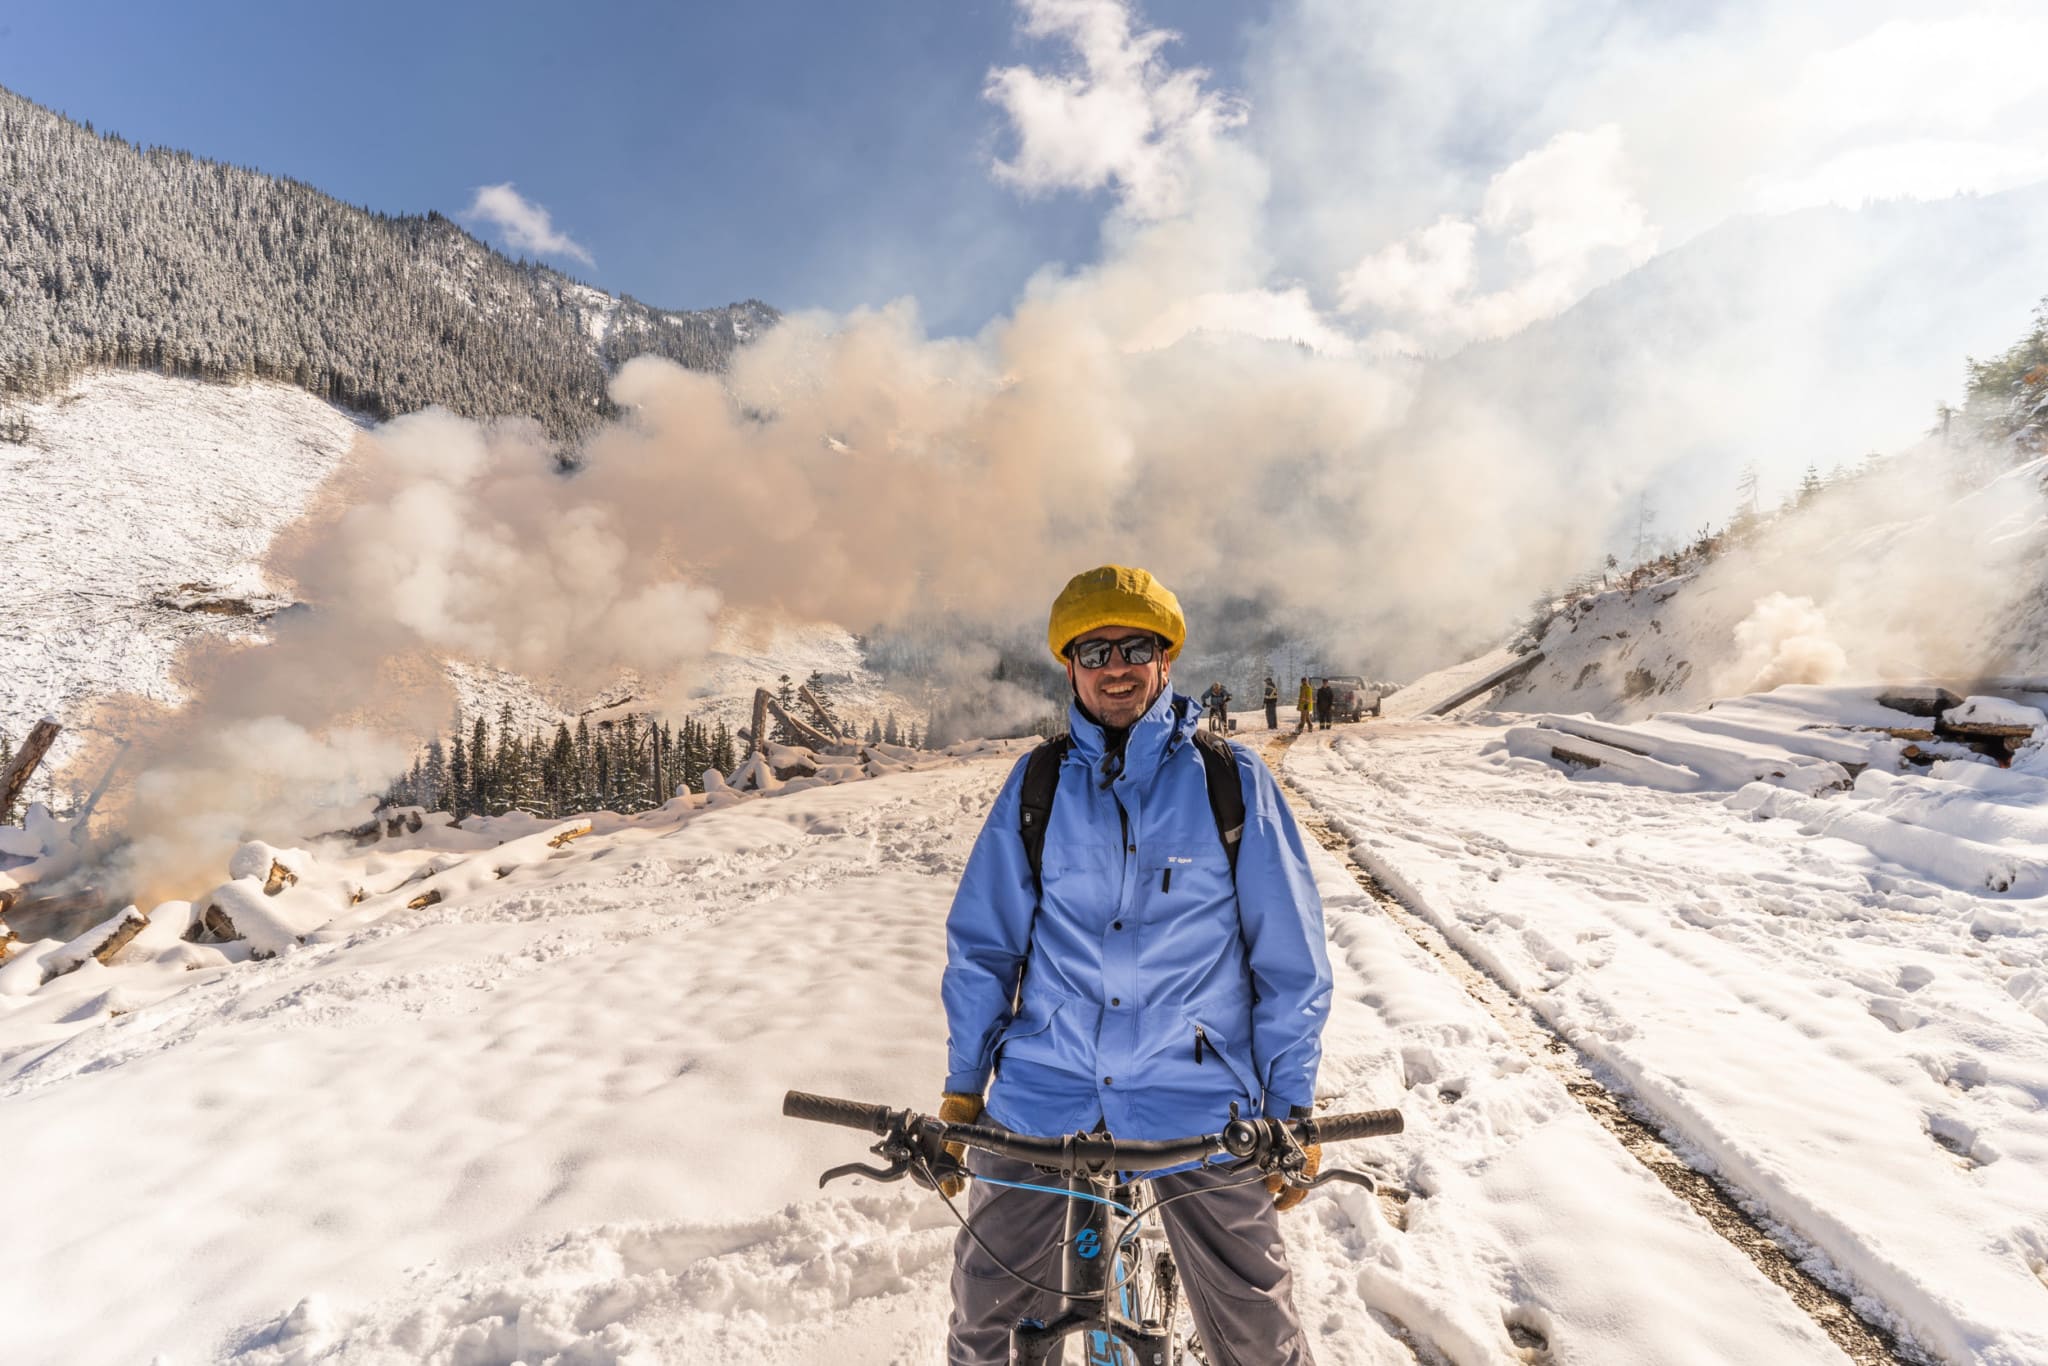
(1211, 1050)
(1031, 1024)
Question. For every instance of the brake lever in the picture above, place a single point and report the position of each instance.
(1336, 1174)
(895, 1171)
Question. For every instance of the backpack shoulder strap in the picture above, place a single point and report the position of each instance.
(1034, 810)
(1226, 793)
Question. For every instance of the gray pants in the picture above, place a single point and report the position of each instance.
(1226, 1243)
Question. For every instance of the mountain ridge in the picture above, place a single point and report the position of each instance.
(155, 258)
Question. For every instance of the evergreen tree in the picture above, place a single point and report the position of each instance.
(459, 788)
(584, 780)
(874, 731)
(480, 768)
(434, 777)
(6, 758)
(724, 758)
(891, 735)
(561, 772)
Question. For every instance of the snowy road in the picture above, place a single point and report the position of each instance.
(1846, 1043)
(539, 1121)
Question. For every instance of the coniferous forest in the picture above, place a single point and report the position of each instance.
(119, 255)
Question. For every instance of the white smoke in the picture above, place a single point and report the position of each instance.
(1151, 408)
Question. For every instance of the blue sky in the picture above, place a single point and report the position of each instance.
(809, 154)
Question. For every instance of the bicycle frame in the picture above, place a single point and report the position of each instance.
(1107, 1325)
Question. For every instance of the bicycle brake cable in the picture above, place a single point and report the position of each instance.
(967, 1224)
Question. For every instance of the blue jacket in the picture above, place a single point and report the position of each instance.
(1156, 993)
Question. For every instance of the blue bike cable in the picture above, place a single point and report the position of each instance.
(1058, 1190)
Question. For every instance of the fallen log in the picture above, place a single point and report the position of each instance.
(25, 761)
(1919, 700)
(803, 728)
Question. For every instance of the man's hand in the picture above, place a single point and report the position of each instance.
(957, 1107)
(1286, 1197)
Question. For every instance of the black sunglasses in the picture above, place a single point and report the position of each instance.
(1093, 654)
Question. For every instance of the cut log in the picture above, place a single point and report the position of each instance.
(803, 728)
(574, 832)
(424, 900)
(826, 720)
(280, 878)
(99, 943)
(26, 759)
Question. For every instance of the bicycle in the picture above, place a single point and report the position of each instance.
(1127, 1304)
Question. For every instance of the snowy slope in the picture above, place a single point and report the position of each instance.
(131, 485)
(538, 1121)
(1876, 582)
(135, 493)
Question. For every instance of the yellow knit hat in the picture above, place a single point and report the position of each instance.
(1115, 596)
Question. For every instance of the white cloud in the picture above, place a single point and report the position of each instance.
(1124, 119)
(1914, 109)
(1558, 222)
(523, 224)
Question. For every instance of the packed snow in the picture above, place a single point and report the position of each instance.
(511, 1092)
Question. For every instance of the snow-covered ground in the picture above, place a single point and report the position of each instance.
(538, 1119)
(132, 485)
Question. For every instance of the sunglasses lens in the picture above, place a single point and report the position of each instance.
(1093, 654)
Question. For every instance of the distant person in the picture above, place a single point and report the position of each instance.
(1326, 702)
(1217, 699)
(1272, 704)
(1305, 703)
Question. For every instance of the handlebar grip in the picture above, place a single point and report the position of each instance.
(1362, 1124)
(852, 1114)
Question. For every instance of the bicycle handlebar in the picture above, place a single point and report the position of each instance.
(1255, 1140)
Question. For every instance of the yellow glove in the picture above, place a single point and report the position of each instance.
(957, 1107)
(1286, 1197)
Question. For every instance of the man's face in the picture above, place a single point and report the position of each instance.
(1119, 692)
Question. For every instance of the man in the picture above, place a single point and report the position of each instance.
(1326, 702)
(1217, 699)
(1272, 704)
(1156, 988)
(1305, 704)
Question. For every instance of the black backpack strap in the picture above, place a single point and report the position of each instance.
(1034, 809)
(1226, 793)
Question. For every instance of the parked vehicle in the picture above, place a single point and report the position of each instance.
(1355, 699)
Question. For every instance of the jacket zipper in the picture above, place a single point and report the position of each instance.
(1166, 880)
(1201, 1041)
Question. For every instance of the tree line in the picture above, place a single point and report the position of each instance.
(625, 764)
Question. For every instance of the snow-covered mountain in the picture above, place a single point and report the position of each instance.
(1812, 338)
(157, 259)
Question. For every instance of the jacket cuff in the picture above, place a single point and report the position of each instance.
(1286, 1103)
(967, 1083)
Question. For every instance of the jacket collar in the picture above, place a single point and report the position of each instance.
(1170, 721)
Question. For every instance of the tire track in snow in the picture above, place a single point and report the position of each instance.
(1782, 1258)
